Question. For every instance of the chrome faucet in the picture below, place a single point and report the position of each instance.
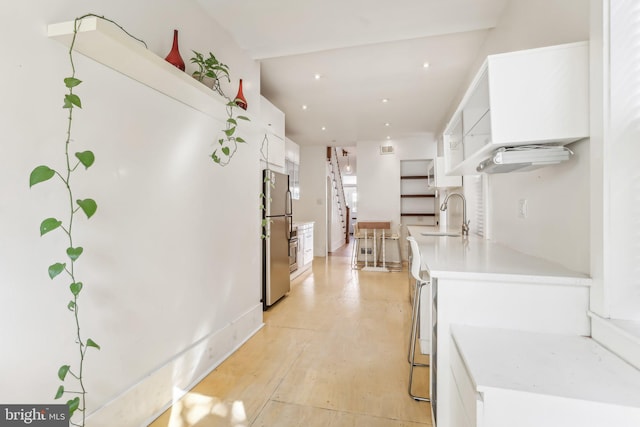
(465, 223)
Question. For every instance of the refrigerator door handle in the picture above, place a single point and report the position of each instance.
(289, 227)
(289, 204)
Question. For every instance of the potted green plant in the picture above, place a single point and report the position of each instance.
(210, 71)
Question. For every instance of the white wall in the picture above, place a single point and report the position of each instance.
(171, 268)
(615, 150)
(312, 205)
(557, 226)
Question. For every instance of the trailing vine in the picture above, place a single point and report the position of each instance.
(89, 207)
(215, 70)
(228, 146)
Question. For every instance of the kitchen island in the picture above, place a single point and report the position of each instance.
(477, 282)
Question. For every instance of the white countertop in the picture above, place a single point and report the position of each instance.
(475, 258)
(560, 365)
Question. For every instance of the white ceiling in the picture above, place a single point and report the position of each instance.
(364, 51)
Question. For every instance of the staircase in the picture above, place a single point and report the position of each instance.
(336, 179)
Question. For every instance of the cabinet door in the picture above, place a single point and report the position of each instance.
(453, 153)
(276, 153)
(308, 245)
(300, 254)
(477, 104)
(440, 180)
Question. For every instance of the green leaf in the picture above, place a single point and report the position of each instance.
(74, 253)
(221, 141)
(230, 131)
(89, 206)
(243, 118)
(74, 404)
(232, 121)
(86, 158)
(60, 392)
(63, 371)
(71, 82)
(70, 100)
(226, 151)
(215, 157)
(75, 288)
(240, 140)
(71, 306)
(56, 269)
(48, 225)
(40, 174)
(92, 343)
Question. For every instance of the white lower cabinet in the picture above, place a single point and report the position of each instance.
(527, 305)
(508, 378)
(463, 393)
(305, 248)
(307, 257)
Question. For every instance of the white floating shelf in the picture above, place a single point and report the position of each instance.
(109, 45)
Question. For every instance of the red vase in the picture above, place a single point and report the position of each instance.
(240, 99)
(174, 57)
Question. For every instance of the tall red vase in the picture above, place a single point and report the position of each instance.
(174, 57)
(240, 99)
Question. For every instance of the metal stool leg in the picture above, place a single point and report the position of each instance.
(413, 339)
(415, 318)
(354, 253)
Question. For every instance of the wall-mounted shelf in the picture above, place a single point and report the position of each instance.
(414, 177)
(416, 198)
(107, 44)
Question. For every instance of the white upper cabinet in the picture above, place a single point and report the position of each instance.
(272, 120)
(536, 96)
(437, 178)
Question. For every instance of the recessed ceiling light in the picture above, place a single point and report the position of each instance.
(304, 107)
(324, 128)
(425, 65)
(387, 124)
(388, 137)
(317, 76)
(385, 100)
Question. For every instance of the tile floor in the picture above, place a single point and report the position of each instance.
(331, 354)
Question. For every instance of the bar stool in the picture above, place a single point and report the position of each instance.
(363, 247)
(392, 259)
(415, 267)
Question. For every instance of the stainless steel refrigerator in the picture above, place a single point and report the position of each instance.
(275, 246)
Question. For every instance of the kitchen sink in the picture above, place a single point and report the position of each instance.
(440, 234)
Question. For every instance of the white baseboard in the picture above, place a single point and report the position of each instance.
(622, 337)
(150, 397)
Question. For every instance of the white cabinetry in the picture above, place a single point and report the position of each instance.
(305, 247)
(307, 236)
(272, 120)
(536, 96)
(292, 167)
(437, 178)
(506, 378)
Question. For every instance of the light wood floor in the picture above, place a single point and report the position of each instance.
(333, 353)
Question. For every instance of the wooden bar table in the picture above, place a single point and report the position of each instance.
(375, 226)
